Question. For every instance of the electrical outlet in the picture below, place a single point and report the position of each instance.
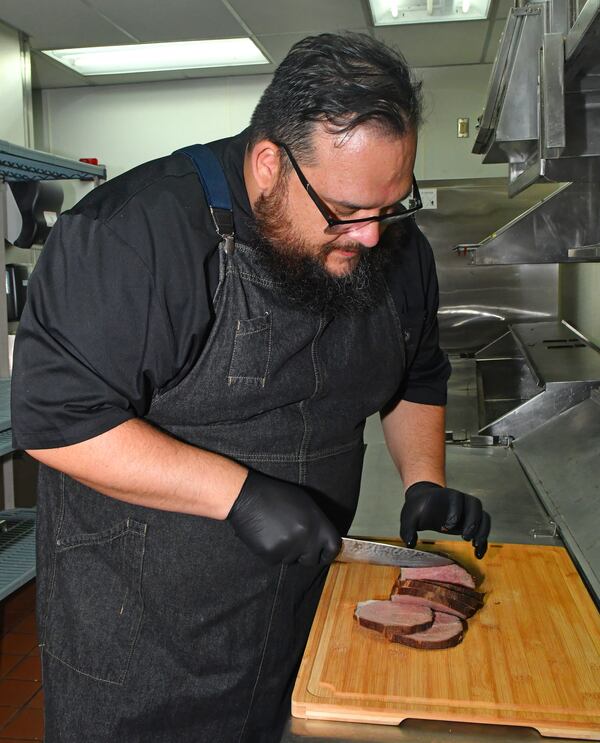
(429, 197)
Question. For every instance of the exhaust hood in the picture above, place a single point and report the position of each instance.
(542, 117)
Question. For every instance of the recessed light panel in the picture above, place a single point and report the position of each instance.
(181, 55)
(392, 12)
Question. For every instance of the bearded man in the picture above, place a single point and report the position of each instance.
(197, 398)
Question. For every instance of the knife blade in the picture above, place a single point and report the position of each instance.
(380, 553)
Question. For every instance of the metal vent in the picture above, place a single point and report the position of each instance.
(563, 343)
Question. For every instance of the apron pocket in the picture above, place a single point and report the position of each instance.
(95, 607)
(251, 350)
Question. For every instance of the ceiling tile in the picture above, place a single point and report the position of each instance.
(175, 20)
(304, 17)
(494, 41)
(278, 45)
(437, 44)
(60, 24)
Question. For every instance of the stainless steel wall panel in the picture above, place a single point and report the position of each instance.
(562, 459)
(478, 302)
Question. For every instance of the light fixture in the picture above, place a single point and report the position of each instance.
(391, 12)
(179, 55)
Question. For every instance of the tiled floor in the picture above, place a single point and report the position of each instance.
(21, 696)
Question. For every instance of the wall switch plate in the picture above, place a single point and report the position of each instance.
(429, 197)
(462, 127)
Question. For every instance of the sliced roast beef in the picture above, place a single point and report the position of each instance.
(449, 596)
(447, 573)
(445, 632)
(445, 596)
(387, 616)
(405, 599)
(440, 598)
(472, 593)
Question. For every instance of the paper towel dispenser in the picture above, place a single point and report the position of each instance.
(32, 211)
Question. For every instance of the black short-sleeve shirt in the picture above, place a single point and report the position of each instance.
(120, 302)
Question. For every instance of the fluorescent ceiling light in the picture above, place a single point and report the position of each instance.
(392, 12)
(179, 55)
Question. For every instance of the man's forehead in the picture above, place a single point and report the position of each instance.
(361, 140)
(364, 168)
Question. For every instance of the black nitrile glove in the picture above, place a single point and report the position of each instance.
(280, 522)
(430, 506)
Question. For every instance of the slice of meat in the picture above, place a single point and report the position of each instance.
(442, 597)
(472, 593)
(386, 616)
(408, 600)
(445, 632)
(447, 573)
(446, 593)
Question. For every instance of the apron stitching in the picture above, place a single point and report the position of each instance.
(284, 458)
(264, 379)
(255, 279)
(83, 673)
(139, 589)
(304, 444)
(282, 572)
(50, 592)
(222, 272)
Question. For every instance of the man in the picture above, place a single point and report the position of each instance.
(198, 406)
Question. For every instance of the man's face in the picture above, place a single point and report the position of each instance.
(357, 175)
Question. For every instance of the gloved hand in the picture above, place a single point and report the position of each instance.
(430, 506)
(280, 522)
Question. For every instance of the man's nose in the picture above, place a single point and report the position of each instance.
(367, 233)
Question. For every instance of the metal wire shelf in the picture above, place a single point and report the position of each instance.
(23, 164)
(17, 549)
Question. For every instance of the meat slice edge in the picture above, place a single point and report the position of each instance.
(445, 632)
(386, 616)
(447, 573)
(438, 595)
(472, 593)
(408, 600)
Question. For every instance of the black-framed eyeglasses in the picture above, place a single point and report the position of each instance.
(334, 226)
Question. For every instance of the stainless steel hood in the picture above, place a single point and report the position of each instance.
(542, 114)
(542, 117)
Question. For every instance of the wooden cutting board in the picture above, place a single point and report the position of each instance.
(530, 657)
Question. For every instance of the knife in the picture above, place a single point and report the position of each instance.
(380, 553)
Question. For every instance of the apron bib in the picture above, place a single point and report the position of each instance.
(160, 627)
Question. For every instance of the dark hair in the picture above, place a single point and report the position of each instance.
(342, 80)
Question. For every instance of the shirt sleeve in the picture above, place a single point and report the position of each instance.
(93, 342)
(427, 367)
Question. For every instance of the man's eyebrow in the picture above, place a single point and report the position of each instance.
(359, 207)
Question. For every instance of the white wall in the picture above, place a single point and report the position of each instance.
(451, 93)
(124, 125)
(12, 109)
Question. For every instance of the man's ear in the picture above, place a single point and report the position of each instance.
(265, 164)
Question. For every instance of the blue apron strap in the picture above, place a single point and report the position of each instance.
(215, 188)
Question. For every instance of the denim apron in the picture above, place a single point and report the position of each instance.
(161, 627)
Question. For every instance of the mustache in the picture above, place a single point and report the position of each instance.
(358, 247)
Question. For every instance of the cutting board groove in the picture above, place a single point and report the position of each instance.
(530, 657)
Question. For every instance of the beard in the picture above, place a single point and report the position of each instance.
(299, 269)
